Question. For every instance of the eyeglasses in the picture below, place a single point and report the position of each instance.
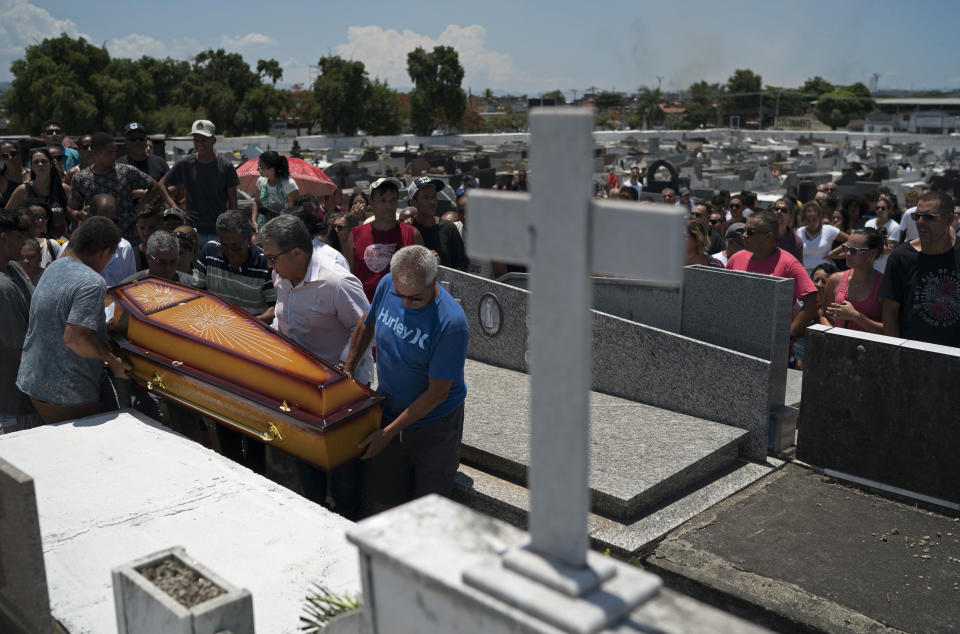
(715, 222)
(272, 258)
(9, 155)
(52, 131)
(781, 210)
(854, 250)
(928, 217)
(339, 227)
(736, 206)
(750, 231)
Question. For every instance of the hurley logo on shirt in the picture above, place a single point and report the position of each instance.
(413, 336)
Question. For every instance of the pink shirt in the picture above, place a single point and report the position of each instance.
(869, 307)
(780, 264)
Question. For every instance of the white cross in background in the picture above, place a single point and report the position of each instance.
(565, 236)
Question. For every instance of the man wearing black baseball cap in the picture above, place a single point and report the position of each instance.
(439, 235)
(136, 145)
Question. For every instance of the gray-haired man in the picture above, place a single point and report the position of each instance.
(163, 251)
(421, 335)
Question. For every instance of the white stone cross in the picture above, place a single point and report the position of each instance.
(565, 236)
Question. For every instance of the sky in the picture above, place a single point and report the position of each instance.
(530, 46)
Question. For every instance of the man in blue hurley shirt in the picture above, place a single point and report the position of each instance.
(421, 336)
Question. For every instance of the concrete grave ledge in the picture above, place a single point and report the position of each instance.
(413, 559)
(798, 551)
(640, 454)
(115, 487)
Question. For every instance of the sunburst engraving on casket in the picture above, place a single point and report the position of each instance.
(222, 326)
(151, 297)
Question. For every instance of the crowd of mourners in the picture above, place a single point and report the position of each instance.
(338, 274)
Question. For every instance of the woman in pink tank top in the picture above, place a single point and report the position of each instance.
(855, 304)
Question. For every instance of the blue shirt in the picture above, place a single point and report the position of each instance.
(416, 345)
(69, 292)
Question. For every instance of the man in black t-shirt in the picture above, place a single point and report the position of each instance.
(921, 284)
(136, 137)
(209, 180)
(439, 235)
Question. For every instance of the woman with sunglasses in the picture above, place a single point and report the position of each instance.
(852, 294)
(13, 159)
(46, 185)
(11, 172)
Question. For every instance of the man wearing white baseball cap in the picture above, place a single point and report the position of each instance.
(208, 179)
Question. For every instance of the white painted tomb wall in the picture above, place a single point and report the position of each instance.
(115, 487)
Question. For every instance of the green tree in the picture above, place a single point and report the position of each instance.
(816, 86)
(607, 99)
(173, 120)
(167, 76)
(743, 94)
(303, 110)
(56, 78)
(437, 96)
(382, 110)
(699, 103)
(843, 103)
(648, 107)
(269, 68)
(341, 91)
(219, 82)
(260, 106)
(555, 94)
(124, 93)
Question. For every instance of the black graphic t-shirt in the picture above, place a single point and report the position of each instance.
(928, 290)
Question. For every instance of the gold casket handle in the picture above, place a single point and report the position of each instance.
(271, 434)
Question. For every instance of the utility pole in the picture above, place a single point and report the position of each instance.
(776, 114)
(760, 116)
(659, 81)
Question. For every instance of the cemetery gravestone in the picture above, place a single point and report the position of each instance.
(24, 602)
(565, 237)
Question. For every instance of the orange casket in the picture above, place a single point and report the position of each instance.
(191, 347)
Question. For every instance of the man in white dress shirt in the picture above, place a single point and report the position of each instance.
(318, 307)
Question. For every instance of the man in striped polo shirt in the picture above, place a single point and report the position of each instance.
(236, 269)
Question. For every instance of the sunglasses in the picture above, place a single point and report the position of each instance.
(881, 208)
(52, 131)
(854, 250)
(749, 232)
(340, 227)
(137, 137)
(410, 298)
(86, 146)
(715, 222)
(781, 210)
(9, 155)
(735, 206)
(696, 214)
(928, 217)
